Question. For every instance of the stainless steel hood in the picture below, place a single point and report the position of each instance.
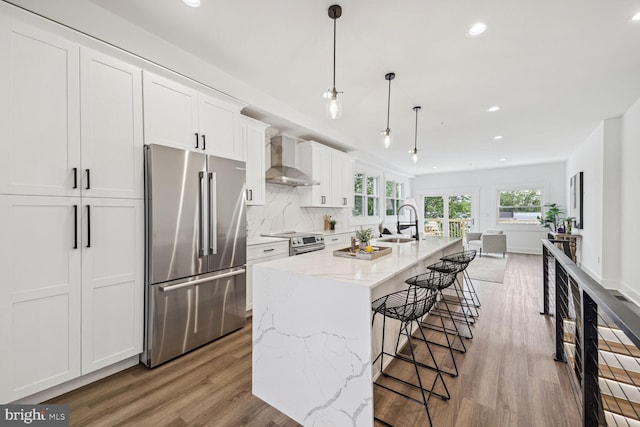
(283, 159)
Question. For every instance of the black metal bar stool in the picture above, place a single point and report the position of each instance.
(408, 306)
(437, 281)
(465, 257)
(466, 313)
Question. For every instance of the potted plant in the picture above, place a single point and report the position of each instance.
(568, 222)
(551, 218)
(332, 224)
(364, 236)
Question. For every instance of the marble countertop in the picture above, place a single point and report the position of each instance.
(261, 240)
(366, 273)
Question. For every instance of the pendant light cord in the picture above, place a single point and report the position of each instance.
(334, 53)
(388, 104)
(415, 143)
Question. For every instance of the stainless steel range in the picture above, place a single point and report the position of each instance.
(300, 243)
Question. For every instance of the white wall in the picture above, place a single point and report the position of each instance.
(484, 186)
(630, 202)
(589, 159)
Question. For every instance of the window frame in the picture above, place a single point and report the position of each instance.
(396, 201)
(525, 223)
(365, 196)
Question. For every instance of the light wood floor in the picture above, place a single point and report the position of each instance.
(507, 377)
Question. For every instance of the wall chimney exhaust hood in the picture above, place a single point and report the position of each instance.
(283, 159)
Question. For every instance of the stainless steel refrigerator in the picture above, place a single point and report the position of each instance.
(195, 250)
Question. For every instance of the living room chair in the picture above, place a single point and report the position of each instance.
(491, 241)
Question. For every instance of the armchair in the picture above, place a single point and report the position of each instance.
(491, 241)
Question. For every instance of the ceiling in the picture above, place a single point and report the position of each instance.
(555, 67)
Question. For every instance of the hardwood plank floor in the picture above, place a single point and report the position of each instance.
(507, 377)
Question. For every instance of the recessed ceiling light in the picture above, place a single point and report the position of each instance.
(494, 109)
(502, 159)
(498, 137)
(192, 3)
(477, 29)
(434, 167)
(636, 17)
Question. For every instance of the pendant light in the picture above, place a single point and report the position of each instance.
(415, 150)
(333, 97)
(386, 134)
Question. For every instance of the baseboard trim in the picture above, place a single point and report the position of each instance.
(58, 390)
(629, 292)
(527, 251)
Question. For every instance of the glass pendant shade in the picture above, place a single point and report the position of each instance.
(415, 157)
(333, 103)
(386, 137)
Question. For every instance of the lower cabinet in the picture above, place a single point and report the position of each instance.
(343, 239)
(71, 299)
(112, 282)
(262, 253)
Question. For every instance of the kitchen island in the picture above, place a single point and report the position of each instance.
(312, 337)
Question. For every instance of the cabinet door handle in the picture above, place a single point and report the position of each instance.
(197, 139)
(88, 179)
(75, 177)
(75, 226)
(251, 195)
(335, 239)
(268, 250)
(344, 201)
(204, 143)
(88, 226)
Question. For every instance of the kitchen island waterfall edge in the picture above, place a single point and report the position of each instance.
(312, 337)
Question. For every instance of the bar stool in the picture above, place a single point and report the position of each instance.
(466, 313)
(408, 306)
(465, 257)
(436, 282)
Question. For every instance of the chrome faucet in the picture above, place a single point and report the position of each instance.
(407, 225)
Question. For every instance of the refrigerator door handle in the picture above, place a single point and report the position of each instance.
(213, 219)
(169, 288)
(201, 249)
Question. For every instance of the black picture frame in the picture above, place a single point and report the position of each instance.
(576, 196)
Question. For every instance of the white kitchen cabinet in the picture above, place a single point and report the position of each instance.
(315, 160)
(72, 294)
(170, 113)
(341, 179)
(253, 137)
(339, 239)
(219, 126)
(111, 127)
(40, 260)
(39, 111)
(112, 281)
(262, 253)
(178, 116)
(332, 169)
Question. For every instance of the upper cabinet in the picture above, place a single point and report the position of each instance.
(253, 138)
(111, 127)
(342, 171)
(332, 169)
(39, 112)
(72, 121)
(179, 116)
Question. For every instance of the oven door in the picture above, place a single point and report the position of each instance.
(308, 248)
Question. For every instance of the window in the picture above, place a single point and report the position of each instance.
(365, 189)
(394, 196)
(520, 206)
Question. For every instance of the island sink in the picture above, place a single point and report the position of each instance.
(396, 240)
